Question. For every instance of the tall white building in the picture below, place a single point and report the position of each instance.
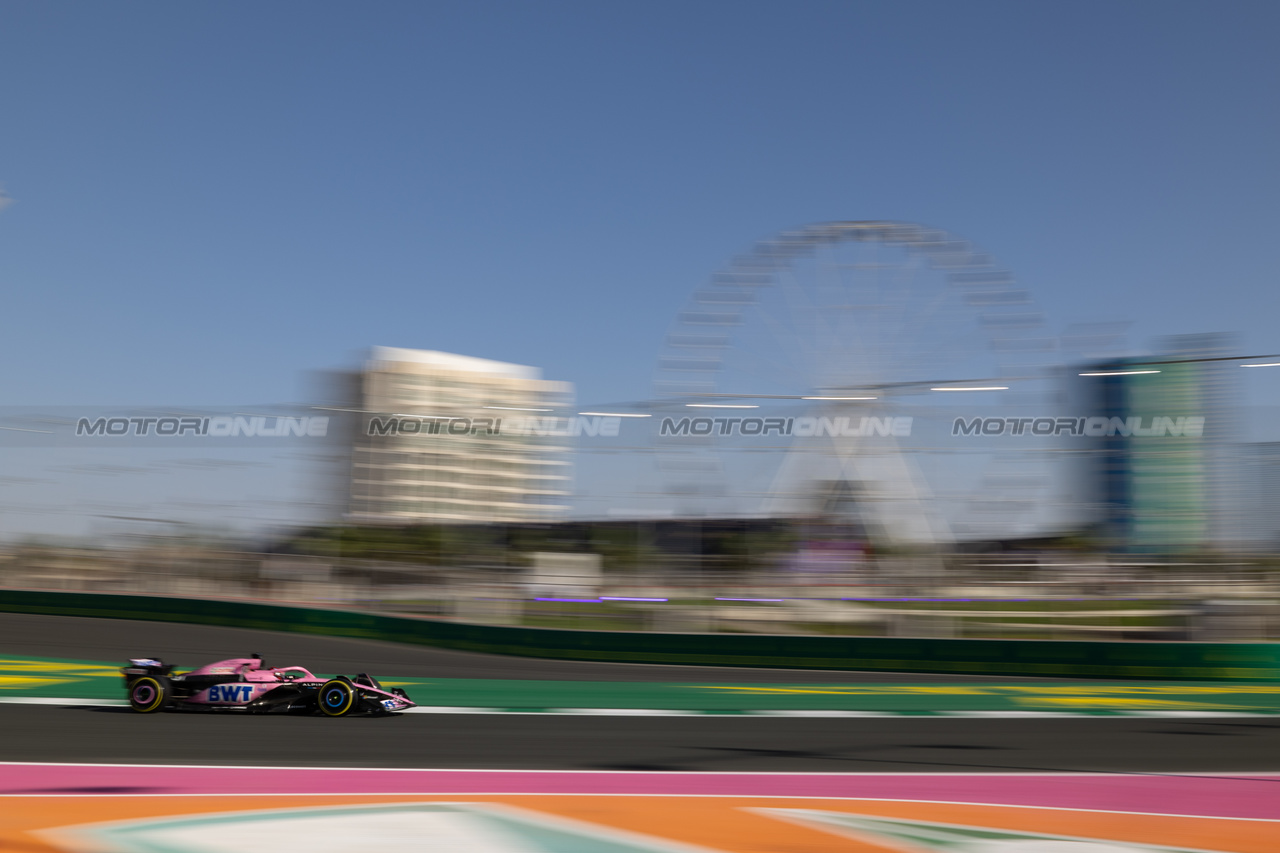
(432, 447)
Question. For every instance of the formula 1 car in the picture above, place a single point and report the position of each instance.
(246, 684)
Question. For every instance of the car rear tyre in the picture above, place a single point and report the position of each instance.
(149, 693)
(336, 697)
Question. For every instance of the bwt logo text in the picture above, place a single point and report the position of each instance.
(230, 692)
(220, 427)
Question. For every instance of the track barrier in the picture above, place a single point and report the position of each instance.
(1026, 658)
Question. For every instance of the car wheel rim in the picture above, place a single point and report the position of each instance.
(143, 694)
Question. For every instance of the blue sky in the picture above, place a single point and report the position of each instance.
(209, 199)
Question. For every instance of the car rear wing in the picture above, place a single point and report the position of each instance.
(146, 666)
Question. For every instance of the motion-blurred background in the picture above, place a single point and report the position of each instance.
(665, 318)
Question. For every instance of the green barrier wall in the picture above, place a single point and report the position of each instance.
(1049, 658)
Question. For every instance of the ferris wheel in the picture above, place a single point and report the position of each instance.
(846, 337)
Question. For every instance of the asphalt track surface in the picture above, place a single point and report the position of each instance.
(711, 743)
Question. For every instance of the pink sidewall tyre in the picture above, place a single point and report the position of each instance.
(149, 693)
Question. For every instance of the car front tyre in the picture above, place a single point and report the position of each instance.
(336, 697)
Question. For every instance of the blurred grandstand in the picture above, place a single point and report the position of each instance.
(772, 576)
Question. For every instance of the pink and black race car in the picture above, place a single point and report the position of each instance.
(246, 684)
